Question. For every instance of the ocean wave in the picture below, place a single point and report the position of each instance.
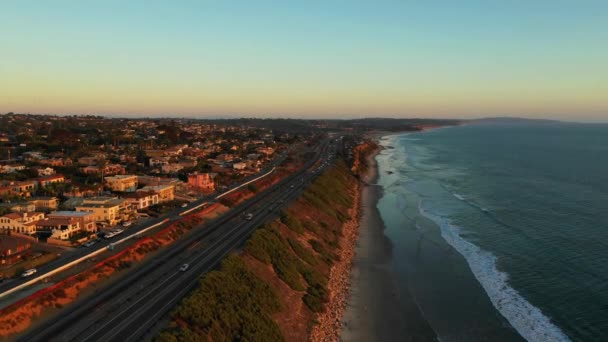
(460, 197)
(528, 320)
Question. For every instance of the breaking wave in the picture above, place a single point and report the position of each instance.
(527, 319)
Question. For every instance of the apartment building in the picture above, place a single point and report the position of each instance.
(122, 183)
(23, 223)
(165, 193)
(105, 209)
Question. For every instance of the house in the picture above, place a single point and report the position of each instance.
(47, 171)
(165, 193)
(225, 157)
(122, 183)
(87, 160)
(44, 203)
(239, 166)
(12, 248)
(110, 169)
(61, 228)
(202, 181)
(175, 150)
(25, 188)
(188, 162)
(56, 162)
(141, 199)
(85, 220)
(21, 222)
(171, 168)
(105, 209)
(48, 180)
(11, 168)
(158, 161)
(267, 151)
(24, 207)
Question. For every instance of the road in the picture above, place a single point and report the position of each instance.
(130, 307)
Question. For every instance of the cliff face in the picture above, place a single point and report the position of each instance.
(291, 280)
(360, 152)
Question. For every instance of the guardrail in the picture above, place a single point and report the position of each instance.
(246, 183)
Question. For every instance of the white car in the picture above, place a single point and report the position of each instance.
(184, 267)
(28, 273)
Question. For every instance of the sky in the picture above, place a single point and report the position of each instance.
(306, 59)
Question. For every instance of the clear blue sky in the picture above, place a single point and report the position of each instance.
(531, 58)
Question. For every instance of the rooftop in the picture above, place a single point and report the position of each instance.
(68, 213)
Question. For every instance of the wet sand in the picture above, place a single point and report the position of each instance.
(376, 311)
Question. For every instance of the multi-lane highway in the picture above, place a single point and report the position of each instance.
(128, 309)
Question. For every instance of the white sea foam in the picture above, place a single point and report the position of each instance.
(527, 319)
(460, 197)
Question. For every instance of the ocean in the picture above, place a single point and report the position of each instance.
(500, 231)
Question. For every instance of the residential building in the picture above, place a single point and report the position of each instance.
(85, 220)
(25, 188)
(24, 207)
(110, 169)
(141, 199)
(202, 181)
(105, 209)
(47, 171)
(267, 151)
(11, 168)
(171, 168)
(12, 248)
(122, 183)
(45, 203)
(61, 228)
(159, 161)
(21, 222)
(239, 166)
(48, 180)
(165, 193)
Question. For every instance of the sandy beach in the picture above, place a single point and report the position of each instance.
(375, 310)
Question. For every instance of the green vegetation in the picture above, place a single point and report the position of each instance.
(230, 304)
(302, 251)
(292, 222)
(269, 246)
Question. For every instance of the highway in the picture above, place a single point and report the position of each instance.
(128, 309)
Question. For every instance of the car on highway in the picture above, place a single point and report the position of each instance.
(249, 216)
(184, 205)
(28, 273)
(90, 243)
(184, 267)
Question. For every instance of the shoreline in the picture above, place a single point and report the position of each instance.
(376, 311)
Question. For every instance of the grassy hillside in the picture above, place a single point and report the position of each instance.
(273, 289)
